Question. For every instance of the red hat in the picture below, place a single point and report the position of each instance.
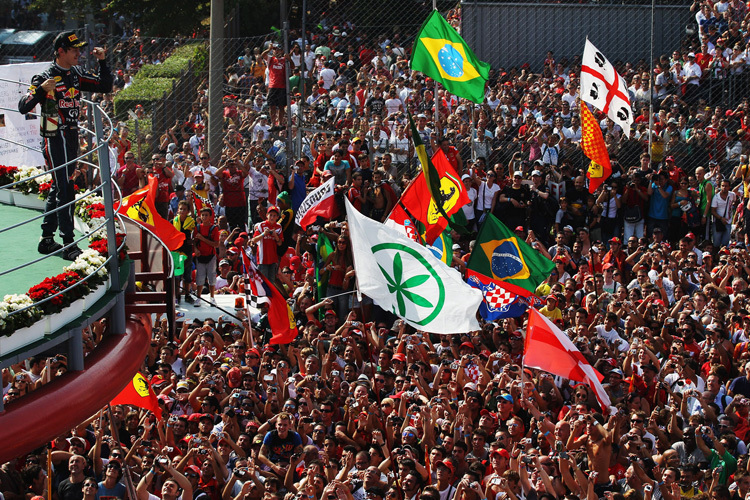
(500, 452)
(195, 417)
(669, 158)
(691, 236)
(659, 302)
(295, 262)
(234, 377)
(485, 411)
(233, 250)
(194, 468)
(608, 265)
(157, 380)
(447, 464)
(519, 228)
(254, 351)
(310, 272)
(616, 240)
(273, 208)
(468, 345)
(399, 356)
(331, 312)
(516, 333)
(238, 242)
(485, 353)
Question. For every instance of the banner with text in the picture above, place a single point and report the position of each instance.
(13, 125)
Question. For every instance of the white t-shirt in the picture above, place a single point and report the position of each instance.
(721, 205)
(486, 194)
(469, 207)
(393, 105)
(612, 336)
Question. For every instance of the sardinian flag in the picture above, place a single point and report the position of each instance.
(604, 88)
(319, 203)
(255, 288)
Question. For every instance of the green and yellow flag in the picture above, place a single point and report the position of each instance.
(442, 54)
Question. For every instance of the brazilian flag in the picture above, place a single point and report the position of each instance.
(442, 54)
(499, 254)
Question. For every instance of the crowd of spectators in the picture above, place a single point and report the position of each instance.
(650, 283)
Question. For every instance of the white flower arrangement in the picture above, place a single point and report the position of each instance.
(16, 302)
(88, 262)
(31, 185)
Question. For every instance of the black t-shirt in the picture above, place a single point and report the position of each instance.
(511, 212)
(68, 490)
(376, 105)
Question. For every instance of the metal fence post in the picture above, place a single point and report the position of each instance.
(118, 311)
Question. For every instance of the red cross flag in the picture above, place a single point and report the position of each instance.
(604, 88)
(549, 349)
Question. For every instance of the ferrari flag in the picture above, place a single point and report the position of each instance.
(140, 207)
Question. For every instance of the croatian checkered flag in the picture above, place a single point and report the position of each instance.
(499, 302)
(254, 285)
(200, 202)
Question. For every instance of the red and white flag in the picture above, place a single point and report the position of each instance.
(320, 202)
(549, 349)
(604, 88)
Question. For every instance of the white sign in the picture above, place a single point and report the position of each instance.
(21, 129)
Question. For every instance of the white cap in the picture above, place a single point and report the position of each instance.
(536, 172)
(517, 173)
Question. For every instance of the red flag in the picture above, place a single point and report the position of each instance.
(319, 203)
(139, 393)
(549, 349)
(140, 207)
(280, 317)
(594, 148)
(417, 203)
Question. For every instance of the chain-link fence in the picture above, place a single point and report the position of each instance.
(349, 74)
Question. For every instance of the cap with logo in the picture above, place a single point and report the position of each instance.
(68, 40)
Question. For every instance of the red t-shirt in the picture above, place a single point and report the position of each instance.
(276, 73)
(165, 186)
(353, 196)
(130, 177)
(267, 245)
(452, 155)
(212, 233)
(233, 187)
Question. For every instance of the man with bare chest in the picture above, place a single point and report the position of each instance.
(380, 197)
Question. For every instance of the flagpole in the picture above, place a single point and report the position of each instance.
(437, 108)
(651, 84)
(49, 473)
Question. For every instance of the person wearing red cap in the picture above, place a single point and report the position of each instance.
(615, 255)
(267, 237)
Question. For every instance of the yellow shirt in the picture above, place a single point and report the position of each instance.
(552, 314)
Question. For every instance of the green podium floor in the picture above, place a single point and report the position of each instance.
(19, 246)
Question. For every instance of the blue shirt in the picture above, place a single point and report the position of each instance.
(298, 193)
(659, 206)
